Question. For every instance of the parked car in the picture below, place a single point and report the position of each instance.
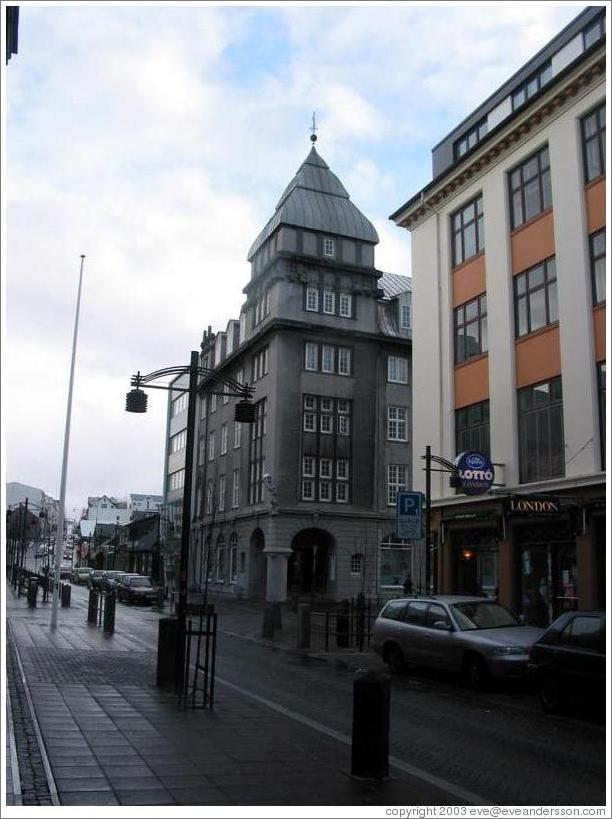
(81, 575)
(95, 578)
(136, 589)
(568, 662)
(472, 635)
(65, 570)
(110, 579)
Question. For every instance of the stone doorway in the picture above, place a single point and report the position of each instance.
(308, 569)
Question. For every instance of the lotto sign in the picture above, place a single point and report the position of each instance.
(409, 515)
(475, 472)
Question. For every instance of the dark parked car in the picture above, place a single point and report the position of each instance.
(136, 589)
(473, 635)
(568, 663)
(95, 579)
(81, 575)
(110, 579)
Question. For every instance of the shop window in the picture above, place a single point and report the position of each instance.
(541, 442)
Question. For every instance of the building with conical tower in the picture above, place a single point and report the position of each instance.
(302, 503)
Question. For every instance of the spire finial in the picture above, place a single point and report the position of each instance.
(314, 129)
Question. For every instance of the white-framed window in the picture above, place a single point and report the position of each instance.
(179, 441)
(311, 357)
(233, 562)
(325, 467)
(329, 247)
(396, 564)
(203, 404)
(213, 402)
(267, 303)
(310, 402)
(308, 490)
(262, 308)
(223, 439)
(308, 466)
(342, 469)
(327, 358)
(312, 299)
(256, 319)
(209, 497)
(237, 434)
(242, 335)
(220, 561)
(344, 361)
(225, 398)
(265, 361)
(240, 376)
(396, 480)
(405, 316)
(397, 369)
(176, 480)
(356, 563)
(211, 446)
(325, 491)
(343, 406)
(235, 488)
(329, 301)
(326, 424)
(343, 425)
(342, 493)
(346, 305)
(396, 423)
(309, 422)
(221, 506)
(326, 405)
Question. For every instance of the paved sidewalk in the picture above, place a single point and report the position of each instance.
(112, 738)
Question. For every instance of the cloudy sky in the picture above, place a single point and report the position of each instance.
(156, 140)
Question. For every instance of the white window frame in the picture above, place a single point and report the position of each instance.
(221, 503)
(329, 302)
(233, 567)
(329, 247)
(211, 446)
(343, 406)
(223, 448)
(308, 466)
(326, 468)
(356, 564)
(236, 489)
(310, 403)
(396, 423)
(345, 305)
(225, 398)
(325, 487)
(397, 369)
(310, 416)
(237, 434)
(267, 302)
(326, 405)
(311, 351)
(213, 402)
(405, 316)
(328, 416)
(343, 425)
(394, 481)
(209, 497)
(308, 490)
(342, 473)
(342, 492)
(327, 350)
(344, 360)
(312, 299)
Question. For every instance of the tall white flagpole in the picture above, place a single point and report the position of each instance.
(59, 538)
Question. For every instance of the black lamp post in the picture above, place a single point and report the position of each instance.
(136, 401)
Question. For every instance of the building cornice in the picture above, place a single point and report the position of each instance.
(507, 140)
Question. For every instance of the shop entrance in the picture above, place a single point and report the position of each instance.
(475, 562)
(548, 574)
(307, 570)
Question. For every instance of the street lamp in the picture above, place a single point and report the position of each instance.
(136, 401)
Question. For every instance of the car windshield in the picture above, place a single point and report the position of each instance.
(485, 614)
(140, 581)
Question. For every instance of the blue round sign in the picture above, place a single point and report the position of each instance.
(475, 472)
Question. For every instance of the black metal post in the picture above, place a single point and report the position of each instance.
(427, 518)
(186, 530)
(23, 535)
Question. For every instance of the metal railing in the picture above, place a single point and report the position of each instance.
(349, 625)
(199, 677)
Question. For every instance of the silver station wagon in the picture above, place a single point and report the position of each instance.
(473, 635)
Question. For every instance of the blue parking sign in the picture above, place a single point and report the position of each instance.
(409, 512)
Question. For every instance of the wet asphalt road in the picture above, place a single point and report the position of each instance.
(498, 745)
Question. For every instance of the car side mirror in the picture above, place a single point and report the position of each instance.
(442, 625)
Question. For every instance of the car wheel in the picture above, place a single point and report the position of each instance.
(552, 695)
(476, 673)
(395, 660)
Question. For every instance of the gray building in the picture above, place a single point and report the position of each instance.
(302, 503)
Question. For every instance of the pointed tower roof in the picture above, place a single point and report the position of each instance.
(315, 199)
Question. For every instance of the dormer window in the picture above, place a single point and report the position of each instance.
(329, 247)
(405, 316)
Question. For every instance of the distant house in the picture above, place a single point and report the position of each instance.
(143, 505)
(106, 509)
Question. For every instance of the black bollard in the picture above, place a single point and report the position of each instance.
(92, 607)
(109, 612)
(277, 616)
(167, 638)
(267, 627)
(303, 633)
(370, 743)
(66, 593)
(32, 592)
